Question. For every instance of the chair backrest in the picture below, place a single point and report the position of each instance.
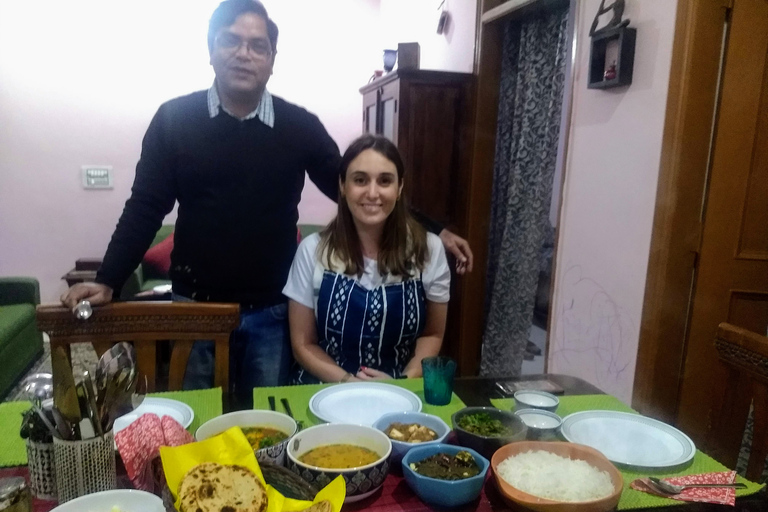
(145, 324)
(745, 355)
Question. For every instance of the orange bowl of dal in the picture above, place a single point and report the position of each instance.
(517, 497)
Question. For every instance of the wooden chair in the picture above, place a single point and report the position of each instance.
(146, 324)
(745, 356)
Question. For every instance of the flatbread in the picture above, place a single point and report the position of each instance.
(320, 506)
(212, 487)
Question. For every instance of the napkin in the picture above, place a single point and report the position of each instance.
(718, 495)
(139, 447)
(232, 448)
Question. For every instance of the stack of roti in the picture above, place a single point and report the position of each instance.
(212, 487)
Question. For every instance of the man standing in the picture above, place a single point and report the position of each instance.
(234, 157)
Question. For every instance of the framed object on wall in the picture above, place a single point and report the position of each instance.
(612, 58)
(612, 54)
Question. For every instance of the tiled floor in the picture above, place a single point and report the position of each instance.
(539, 338)
(83, 357)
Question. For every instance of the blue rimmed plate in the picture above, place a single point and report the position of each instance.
(361, 403)
(630, 439)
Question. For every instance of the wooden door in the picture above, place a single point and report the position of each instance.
(732, 280)
(389, 96)
(370, 112)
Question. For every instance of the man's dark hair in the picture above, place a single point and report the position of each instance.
(228, 11)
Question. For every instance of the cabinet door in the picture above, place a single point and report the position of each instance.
(388, 99)
(370, 114)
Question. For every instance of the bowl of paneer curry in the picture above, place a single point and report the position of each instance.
(408, 429)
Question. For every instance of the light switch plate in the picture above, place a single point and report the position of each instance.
(97, 176)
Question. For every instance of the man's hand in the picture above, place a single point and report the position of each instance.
(460, 249)
(95, 293)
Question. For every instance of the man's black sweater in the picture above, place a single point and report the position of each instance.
(238, 184)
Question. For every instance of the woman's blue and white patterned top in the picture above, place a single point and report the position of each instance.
(372, 320)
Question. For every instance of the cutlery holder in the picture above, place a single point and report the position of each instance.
(42, 471)
(84, 467)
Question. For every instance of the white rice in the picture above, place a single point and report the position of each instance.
(550, 476)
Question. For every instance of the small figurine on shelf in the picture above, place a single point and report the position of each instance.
(610, 73)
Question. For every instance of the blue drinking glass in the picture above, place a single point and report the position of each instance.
(438, 379)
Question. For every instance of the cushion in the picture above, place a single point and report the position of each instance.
(13, 319)
(158, 258)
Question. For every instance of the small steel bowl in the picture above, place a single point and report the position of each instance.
(542, 425)
(532, 399)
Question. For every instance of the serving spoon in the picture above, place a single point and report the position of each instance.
(668, 488)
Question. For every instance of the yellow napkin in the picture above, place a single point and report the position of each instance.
(232, 448)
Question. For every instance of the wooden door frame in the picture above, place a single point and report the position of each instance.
(488, 53)
(676, 236)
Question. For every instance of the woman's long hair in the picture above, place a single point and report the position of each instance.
(403, 248)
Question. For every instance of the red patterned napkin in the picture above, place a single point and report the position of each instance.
(718, 495)
(139, 445)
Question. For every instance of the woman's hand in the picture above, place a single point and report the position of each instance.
(366, 373)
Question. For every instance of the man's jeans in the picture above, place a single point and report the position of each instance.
(259, 354)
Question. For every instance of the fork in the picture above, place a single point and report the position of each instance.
(668, 488)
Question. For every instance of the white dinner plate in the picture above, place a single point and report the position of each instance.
(629, 439)
(127, 500)
(179, 411)
(361, 403)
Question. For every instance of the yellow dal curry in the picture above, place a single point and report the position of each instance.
(263, 437)
(339, 456)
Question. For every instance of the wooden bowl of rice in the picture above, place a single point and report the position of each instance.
(569, 485)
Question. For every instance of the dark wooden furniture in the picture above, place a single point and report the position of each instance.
(84, 271)
(147, 324)
(478, 391)
(429, 116)
(745, 355)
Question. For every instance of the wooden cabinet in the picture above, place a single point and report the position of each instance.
(428, 115)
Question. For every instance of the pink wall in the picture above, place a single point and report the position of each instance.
(416, 21)
(609, 197)
(80, 81)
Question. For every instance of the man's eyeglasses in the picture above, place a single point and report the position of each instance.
(229, 41)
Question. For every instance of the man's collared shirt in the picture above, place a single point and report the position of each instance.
(265, 111)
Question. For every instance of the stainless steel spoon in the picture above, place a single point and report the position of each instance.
(668, 488)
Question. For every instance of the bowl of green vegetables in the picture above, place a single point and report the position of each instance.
(486, 429)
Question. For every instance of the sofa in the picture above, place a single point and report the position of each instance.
(21, 344)
(152, 271)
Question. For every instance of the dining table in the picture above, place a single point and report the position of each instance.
(395, 495)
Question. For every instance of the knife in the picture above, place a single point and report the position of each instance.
(64, 391)
(90, 396)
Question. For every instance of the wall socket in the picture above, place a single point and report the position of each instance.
(97, 176)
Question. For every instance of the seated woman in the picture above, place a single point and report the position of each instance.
(369, 294)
